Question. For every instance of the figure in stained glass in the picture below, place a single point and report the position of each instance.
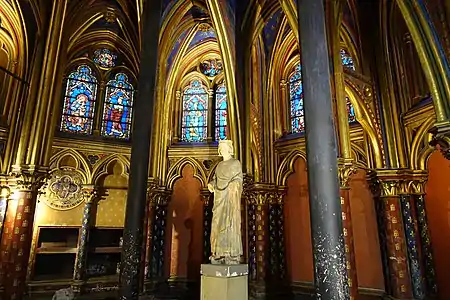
(350, 111)
(211, 67)
(296, 101)
(221, 113)
(105, 58)
(195, 108)
(347, 60)
(118, 107)
(78, 107)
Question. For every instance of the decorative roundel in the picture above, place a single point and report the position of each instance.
(64, 190)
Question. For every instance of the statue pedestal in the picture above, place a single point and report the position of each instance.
(224, 282)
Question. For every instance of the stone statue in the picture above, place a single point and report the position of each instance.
(226, 242)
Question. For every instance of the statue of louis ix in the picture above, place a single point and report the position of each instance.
(226, 241)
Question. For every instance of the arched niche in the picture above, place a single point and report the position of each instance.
(184, 231)
(113, 184)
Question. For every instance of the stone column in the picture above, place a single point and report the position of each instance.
(90, 194)
(427, 261)
(25, 194)
(207, 199)
(323, 182)
(137, 184)
(399, 284)
(346, 170)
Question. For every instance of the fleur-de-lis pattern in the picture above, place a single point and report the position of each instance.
(417, 279)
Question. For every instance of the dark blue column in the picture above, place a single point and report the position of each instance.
(140, 150)
(323, 184)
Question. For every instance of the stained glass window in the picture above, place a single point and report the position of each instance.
(347, 60)
(195, 112)
(211, 67)
(296, 101)
(221, 112)
(105, 58)
(350, 111)
(117, 108)
(79, 100)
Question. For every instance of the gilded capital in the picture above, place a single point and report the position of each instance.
(28, 178)
(160, 197)
(441, 139)
(345, 170)
(262, 194)
(90, 193)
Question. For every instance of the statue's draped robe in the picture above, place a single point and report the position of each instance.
(226, 220)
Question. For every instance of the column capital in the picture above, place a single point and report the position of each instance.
(441, 138)
(160, 196)
(265, 193)
(205, 195)
(346, 169)
(394, 182)
(90, 193)
(28, 178)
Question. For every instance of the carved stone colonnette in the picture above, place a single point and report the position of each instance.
(265, 221)
(404, 237)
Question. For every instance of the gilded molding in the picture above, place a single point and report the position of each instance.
(28, 178)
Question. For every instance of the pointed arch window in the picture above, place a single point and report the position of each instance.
(350, 111)
(117, 108)
(297, 117)
(347, 60)
(221, 113)
(79, 101)
(194, 126)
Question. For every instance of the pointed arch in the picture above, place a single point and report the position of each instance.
(175, 172)
(80, 160)
(287, 166)
(364, 118)
(102, 168)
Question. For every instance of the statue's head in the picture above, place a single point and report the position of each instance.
(226, 147)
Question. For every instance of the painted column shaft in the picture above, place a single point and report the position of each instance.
(323, 183)
(425, 244)
(400, 285)
(207, 219)
(20, 244)
(142, 132)
(80, 264)
(349, 244)
(6, 241)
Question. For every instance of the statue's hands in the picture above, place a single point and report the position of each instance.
(211, 187)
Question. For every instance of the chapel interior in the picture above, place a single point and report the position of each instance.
(73, 78)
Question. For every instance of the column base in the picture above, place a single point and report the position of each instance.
(224, 282)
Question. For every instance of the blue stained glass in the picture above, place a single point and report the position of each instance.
(105, 58)
(195, 113)
(211, 67)
(221, 113)
(350, 111)
(78, 106)
(117, 108)
(296, 101)
(347, 60)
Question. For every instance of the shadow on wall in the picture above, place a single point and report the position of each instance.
(437, 202)
(184, 235)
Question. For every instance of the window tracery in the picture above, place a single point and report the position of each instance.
(347, 60)
(105, 58)
(221, 113)
(297, 119)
